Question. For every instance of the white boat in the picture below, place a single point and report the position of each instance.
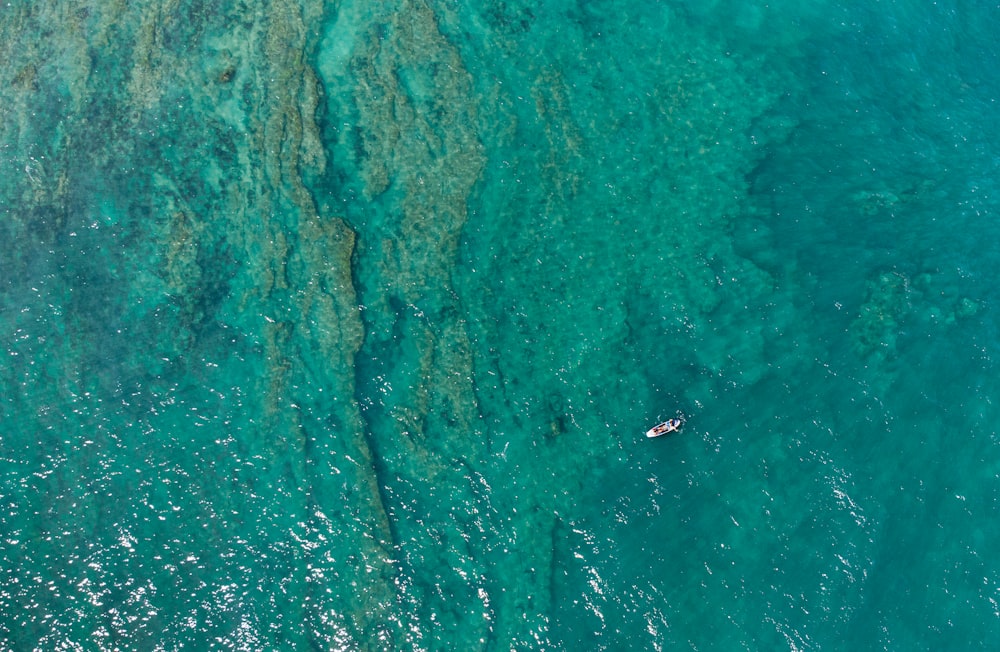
(665, 428)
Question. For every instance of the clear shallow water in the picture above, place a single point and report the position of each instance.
(338, 327)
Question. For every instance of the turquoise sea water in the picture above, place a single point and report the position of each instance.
(339, 326)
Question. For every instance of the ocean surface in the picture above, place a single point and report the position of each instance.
(338, 326)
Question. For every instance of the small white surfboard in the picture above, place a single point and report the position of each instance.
(665, 428)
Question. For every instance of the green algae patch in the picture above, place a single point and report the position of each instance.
(877, 325)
